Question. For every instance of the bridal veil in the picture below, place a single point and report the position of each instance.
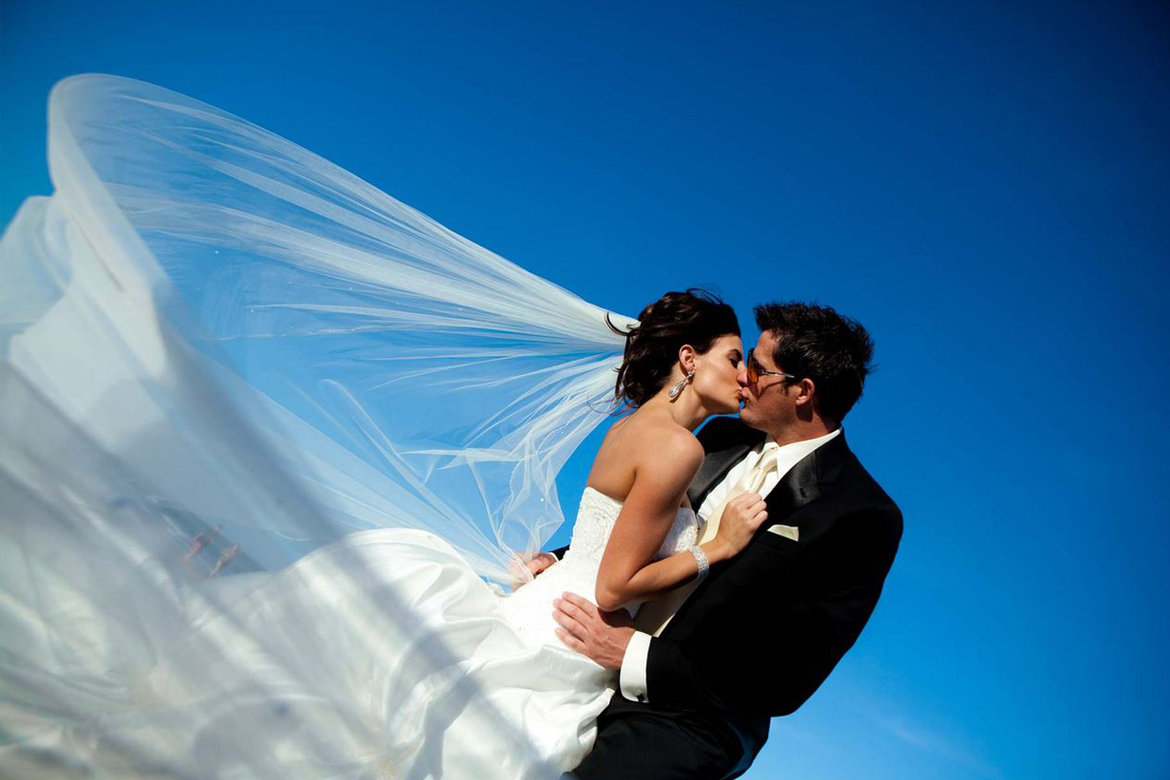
(220, 353)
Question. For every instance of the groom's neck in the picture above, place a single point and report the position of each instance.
(802, 430)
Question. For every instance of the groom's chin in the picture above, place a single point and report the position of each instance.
(747, 416)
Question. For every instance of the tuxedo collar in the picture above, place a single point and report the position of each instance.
(719, 461)
(804, 481)
(795, 489)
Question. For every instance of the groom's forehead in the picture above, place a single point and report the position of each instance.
(765, 345)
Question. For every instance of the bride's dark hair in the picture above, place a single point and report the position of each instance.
(694, 317)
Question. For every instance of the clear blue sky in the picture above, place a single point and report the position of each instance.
(984, 187)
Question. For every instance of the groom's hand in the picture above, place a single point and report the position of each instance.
(602, 636)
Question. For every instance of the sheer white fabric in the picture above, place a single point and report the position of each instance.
(220, 354)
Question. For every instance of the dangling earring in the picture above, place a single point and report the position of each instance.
(676, 391)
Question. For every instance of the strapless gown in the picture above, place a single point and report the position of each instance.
(496, 682)
(209, 328)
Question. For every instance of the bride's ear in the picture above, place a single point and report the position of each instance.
(686, 358)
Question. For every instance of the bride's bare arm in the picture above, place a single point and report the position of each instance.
(628, 571)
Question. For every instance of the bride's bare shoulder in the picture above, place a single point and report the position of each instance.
(636, 446)
(660, 440)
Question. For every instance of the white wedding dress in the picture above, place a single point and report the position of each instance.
(266, 434)
(478, 686)
(508, 673)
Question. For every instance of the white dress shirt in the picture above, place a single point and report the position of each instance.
(633, 673)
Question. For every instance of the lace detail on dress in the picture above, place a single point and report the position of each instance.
(683, 533)
(595, 521)
(529, 609)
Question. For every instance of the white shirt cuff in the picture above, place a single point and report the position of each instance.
(633, 675)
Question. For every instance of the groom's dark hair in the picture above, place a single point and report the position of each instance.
(816, 342)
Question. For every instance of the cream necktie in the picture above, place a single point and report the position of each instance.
(751, 482)
(654, 615)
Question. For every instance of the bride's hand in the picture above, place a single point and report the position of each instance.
(523, 573)
(741, 518)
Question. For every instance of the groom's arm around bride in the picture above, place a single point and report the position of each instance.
(760, 634)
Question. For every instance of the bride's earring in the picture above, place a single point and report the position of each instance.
(676, 391)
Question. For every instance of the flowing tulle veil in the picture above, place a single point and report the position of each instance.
(220, 353)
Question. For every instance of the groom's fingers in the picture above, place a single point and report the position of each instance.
(583, 606)
(570, 641)
(574, 614)
(572, 631)
(580, 610)
(570, 606)
(563, 618)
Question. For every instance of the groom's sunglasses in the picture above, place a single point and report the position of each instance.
(755, 371)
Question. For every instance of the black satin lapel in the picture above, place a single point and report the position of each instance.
(802, 483)
(797, 488)
(715, 467)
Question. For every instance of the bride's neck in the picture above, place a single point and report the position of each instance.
(686, 410)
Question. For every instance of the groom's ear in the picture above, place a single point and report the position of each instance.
(806, 391)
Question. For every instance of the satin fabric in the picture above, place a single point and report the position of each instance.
(223, 362)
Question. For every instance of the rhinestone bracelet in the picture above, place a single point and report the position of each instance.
(701, 559)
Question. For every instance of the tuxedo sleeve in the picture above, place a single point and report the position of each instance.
(775, 637)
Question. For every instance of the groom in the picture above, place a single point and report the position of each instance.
(762, 631)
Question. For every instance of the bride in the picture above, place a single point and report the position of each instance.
(266, 433)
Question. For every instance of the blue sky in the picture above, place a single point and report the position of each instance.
(984, 186)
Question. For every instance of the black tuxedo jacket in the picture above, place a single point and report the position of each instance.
(760, 634)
